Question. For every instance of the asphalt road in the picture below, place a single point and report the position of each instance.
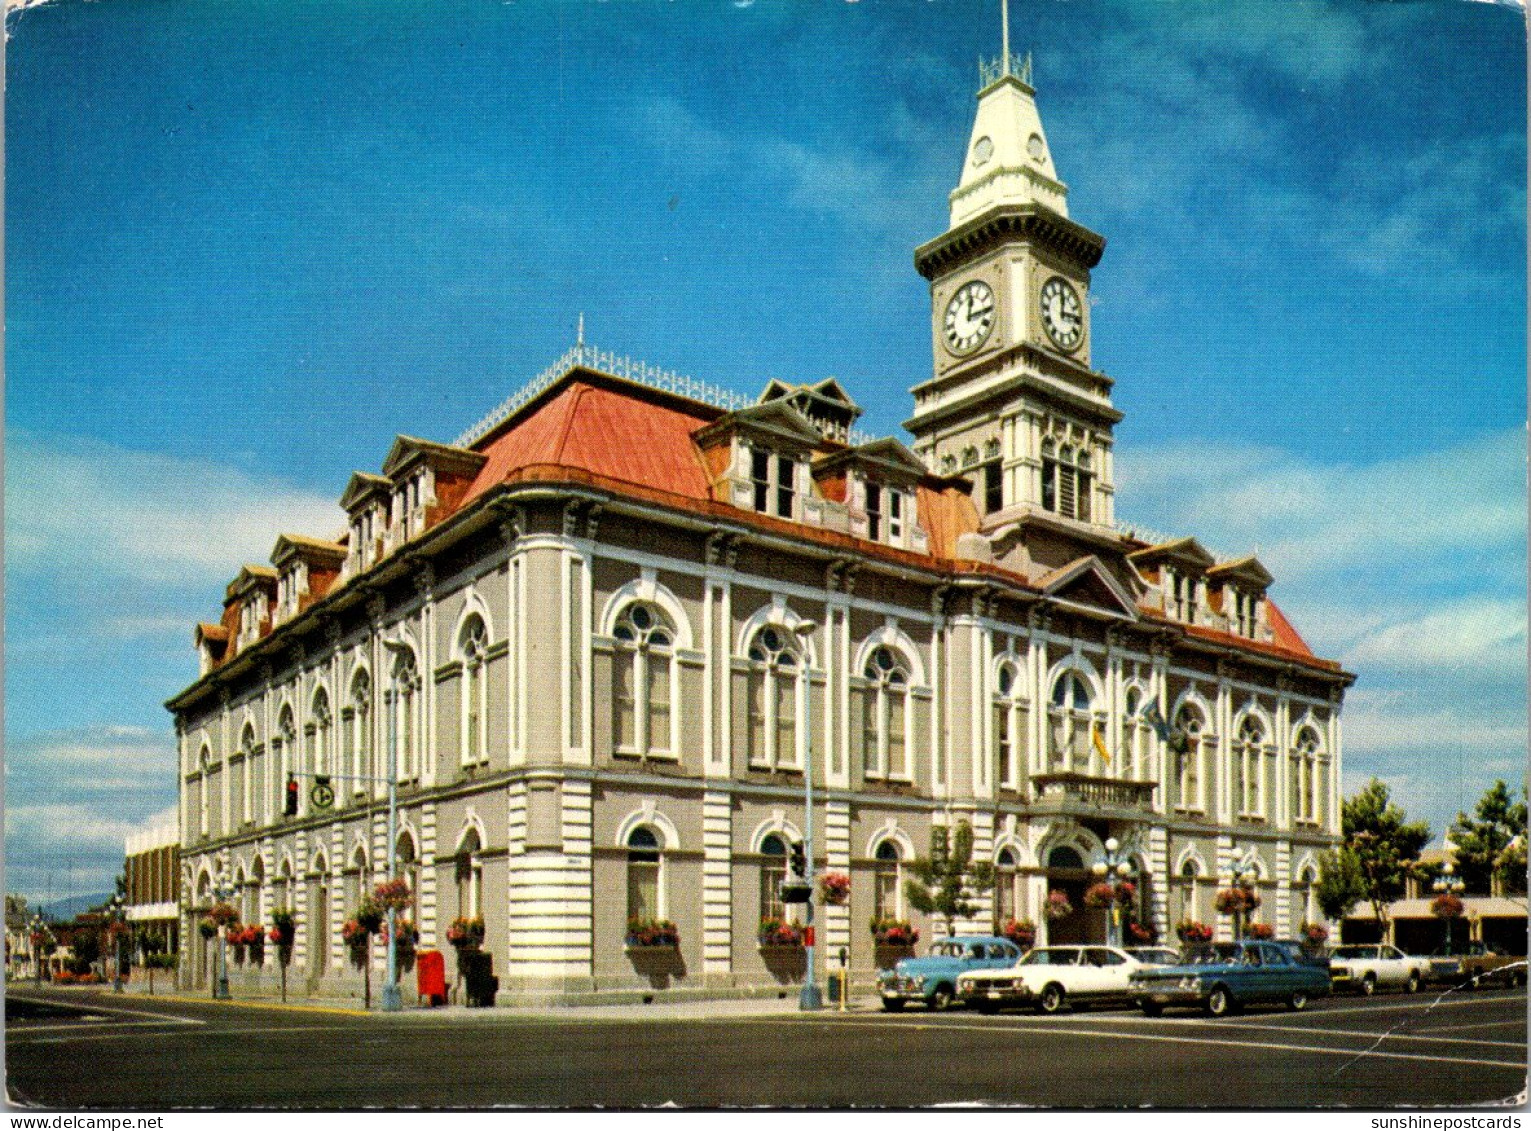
(71, 1049)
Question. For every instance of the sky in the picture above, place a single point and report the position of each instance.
(248, 243)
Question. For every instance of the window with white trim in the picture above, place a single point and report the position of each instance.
(1010, 720)
(777, 683)
(359, 731)
(205, 765)
(773, 872)
(774, 478)
(472, 643)
(1303, 777)
(887, 893)
(470, 877)
(1250, 769)
(1137, 735)
(1245, 613)
(1072, 718)
(886, 710)
(1189, 761)
(1067, 480)
(247, 748)
(406, 690)
(1007, 888)
(645, 864)
(319, 732)
(644, 674)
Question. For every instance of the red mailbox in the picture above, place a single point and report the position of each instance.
(431, 976)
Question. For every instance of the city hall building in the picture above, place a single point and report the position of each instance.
(608, 630)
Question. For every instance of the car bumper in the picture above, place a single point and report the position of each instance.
(982, 994)
(1167, 995)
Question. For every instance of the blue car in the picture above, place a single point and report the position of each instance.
(932, 980)
(1222, 978)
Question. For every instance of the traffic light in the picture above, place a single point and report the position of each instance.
(799, 864)
(291, 807)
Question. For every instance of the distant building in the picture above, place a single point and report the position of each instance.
(602, 708)
(152, 871)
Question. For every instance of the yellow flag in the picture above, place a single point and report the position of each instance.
(1100, 744)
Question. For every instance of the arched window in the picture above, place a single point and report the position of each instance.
(643, 676)
(1137, 736)
(1010, 722)
(1189, 763)
(472, 642)
(776, 695)
(282, 898)
(1065, 858)
(1187, 883)
(406, 688)
(1066, 480)
(204, 806)
(1007, 888)
(1304, 908)
(286, 739)
(1302, 777)
(247, 749)
(887, 896)
(360, 737)
(1072, 721)
(773, 870)
(257, 912)
(409, 871)
(645, 894)
(886, 715)
(357, 879)
(319, 732)
(470, 877)
(1249, 769)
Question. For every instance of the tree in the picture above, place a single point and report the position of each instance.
(947, 882)
(15, 912)
(1483, 839)
(1383, 842)
(1340, 883)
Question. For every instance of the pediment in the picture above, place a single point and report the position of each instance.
(407, 450)
(1182, 551)
(362, 486)
(887, 456)
(1248, 569)
(775, 418)
(1086, 581)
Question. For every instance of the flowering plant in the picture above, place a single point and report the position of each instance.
(894, 932)
(1261, 931)
(370, 916)
(1233, 901)
(223, 914)
(835, 888)
(1140, 934)
(1022, 932)
(406, 939)
(652, 932)
(466, 932)
(779, 932)
(392, 894)
(1316, 934)
(1192, 931)
(1104, 895)
(283, 929)
(1447, 906)
(207, 928)
(1058, 905)
(354, 934)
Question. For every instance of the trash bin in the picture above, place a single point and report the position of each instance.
(431, 976)
(835, 978)
(479, 983)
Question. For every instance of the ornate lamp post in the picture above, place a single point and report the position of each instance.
(1448, 883)
(223, 891)
(392, 999)
(809, 998)
(1115, 869)
(117, 915)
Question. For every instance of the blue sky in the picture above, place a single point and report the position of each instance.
(248, 243)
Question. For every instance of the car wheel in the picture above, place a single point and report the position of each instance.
(1220, 1002)
(1518, 979)
(941, 999)
(1151, 1008)
(1052, 998)
(1369, 985)
(892, 1004)
(1298, 1001)
(1413, 986)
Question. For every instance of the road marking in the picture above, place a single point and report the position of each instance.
(97, 1008)
(1166, 1038)
(1421, 1005)
(1517, 1022)
(1385, 1035)
(18, 1039)
(44, 1027)
(246, 1003)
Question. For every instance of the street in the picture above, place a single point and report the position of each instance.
(79, 1049)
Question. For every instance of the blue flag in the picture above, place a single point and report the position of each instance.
(1153, 718)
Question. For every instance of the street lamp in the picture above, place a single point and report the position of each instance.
(1114, 870)
(809, 998)
(117, 916)
(222, 893)
(1447, 883)
(392, 1000)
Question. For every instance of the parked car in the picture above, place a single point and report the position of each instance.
(1476, 964)
(932, 980)
(1222, 978)
(1154, 955)
(1052, 977)
(1305, 953)
(1369, 967)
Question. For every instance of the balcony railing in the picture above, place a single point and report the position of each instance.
(1101, 793)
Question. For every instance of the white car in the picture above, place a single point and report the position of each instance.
(1373, 966)
(1052, 977)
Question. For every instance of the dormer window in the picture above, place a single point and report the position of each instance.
(1245, 606)
(773, 479)
(885, 514)
(1182, 597)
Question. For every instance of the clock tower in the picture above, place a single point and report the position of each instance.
(1013, 401)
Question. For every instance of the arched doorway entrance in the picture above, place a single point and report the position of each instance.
(1067, 874)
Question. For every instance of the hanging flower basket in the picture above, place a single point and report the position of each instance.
(253, 940)
(406, 940)
(1260, 931)
(835, 888)
(223, 914)
(1141, 934)
(1236, 901)
(894, 932)
(392, 895)
(779, 932)
(466, 934)
(1314, 934)
(1191, 931)
(1022, 932)
(1447, 906)
(207, 928)
(1104, 895)
(283, 931)
(356, 938)
(1057, 906)
(652, 933)
(370, 916)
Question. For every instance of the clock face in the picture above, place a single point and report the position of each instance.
(1062, 313)
(969, 317)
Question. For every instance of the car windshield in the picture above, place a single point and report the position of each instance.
(1156, 955)
(1213, 955)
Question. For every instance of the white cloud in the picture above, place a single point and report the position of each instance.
(109, 513)
(1482, 636)
(1433, 726)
